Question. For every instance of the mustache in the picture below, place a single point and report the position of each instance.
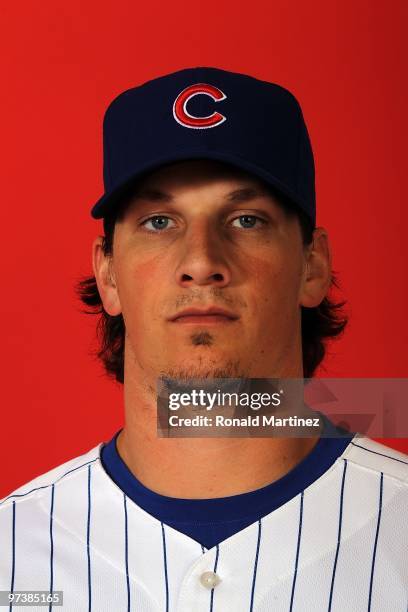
(211, 295)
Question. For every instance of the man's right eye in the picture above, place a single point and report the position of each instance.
(157, 223)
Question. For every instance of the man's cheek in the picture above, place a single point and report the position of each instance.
(267, 286)
(137, 276)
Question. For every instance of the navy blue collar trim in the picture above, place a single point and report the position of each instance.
(236, 507)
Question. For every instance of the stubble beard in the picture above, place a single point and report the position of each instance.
(204, 367)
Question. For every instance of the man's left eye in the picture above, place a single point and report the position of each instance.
(247, 221)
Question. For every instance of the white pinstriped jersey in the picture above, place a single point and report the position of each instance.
(341, 545)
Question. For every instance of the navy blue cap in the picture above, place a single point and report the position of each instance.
(208, 113)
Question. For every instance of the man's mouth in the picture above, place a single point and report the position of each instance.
(204, 316)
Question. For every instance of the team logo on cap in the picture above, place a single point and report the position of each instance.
(185, 119)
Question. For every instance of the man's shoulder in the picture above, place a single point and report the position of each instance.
(376, 457)
(35, 488)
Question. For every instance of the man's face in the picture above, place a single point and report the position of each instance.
(209, 275)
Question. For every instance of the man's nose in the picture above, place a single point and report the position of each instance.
(203, 259)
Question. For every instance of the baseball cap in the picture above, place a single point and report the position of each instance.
(208, 113)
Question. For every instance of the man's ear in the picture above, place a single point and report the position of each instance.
(105, 278)
(317, 270)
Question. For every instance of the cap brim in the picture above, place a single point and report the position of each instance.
(110, 200)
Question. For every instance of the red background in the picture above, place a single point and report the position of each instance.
(62, 63)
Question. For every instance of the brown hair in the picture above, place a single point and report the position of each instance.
(319, 324)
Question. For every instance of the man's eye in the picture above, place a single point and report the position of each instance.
(247, 221)
(158, 222)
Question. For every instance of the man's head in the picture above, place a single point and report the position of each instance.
(204, 235)
(209, 205)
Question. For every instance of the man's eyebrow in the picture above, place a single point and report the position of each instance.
(152, 195)
(246, 194)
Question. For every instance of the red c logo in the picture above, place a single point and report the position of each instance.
(182, 115)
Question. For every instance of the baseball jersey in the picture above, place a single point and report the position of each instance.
(210, 521)
(340, 544)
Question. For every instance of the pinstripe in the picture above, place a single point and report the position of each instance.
(88, 537)
(51, 546)
(126, 554)
(338, 534)
(375, 542)
(251, 607)
(381, 454)
(48, 485)
(215, 571)
(297, 552)
(13, 548)
(165, 567)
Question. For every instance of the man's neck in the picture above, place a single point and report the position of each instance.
(203, 469)
(200, 468)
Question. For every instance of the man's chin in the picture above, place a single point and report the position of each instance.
(204, 369)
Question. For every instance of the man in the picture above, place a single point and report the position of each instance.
(211, 267)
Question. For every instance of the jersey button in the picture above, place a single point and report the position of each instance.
(209, 580)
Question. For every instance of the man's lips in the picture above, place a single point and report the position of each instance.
(204, 316)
